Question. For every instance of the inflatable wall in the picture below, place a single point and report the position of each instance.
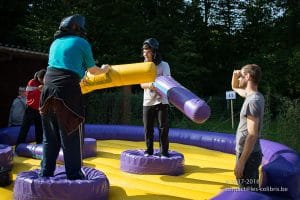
(280, 167)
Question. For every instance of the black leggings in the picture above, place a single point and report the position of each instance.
(150, 114)
(31, 116)
(54, 138)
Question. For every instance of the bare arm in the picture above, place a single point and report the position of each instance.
(95, 73)
(148, 85)
(235, 83)
(252, 126)
(95, 70)
(40, 87)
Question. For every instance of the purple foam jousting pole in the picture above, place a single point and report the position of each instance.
(187, 102)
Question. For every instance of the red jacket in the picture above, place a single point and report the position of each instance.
(33, 94)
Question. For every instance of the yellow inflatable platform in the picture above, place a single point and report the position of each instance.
(120, 75)
(206, 173)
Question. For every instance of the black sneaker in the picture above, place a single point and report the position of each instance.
(164, 155)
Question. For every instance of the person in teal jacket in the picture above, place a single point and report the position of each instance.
(61, 105)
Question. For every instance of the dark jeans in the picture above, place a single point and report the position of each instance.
(150, 114)
(250, 177)
(54, 138)
(31, 116)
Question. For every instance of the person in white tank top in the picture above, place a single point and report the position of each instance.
(155, 107)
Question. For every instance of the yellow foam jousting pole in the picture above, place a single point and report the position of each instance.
(119, 75)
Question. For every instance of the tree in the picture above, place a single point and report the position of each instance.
(11, 14)
(203, 40)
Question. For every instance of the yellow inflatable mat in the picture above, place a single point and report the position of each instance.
(206, 173)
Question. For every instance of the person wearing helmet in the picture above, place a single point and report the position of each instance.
(155, 107)
(61, 106)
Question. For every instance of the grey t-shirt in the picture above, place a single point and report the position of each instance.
(152, 97)
(253, 106)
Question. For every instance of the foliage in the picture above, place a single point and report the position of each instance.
(288, 126)
(103, 107)
(202, 40)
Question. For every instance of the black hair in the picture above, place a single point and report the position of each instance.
(40, 74)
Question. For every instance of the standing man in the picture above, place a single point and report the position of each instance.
(248, 150)
(32, 115)
(155, 107)
(61, 105)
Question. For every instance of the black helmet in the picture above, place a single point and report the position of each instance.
(152, 43)
(67, 22)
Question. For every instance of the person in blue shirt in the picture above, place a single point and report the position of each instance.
(61, 104)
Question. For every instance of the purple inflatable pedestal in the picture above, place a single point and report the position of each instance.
(6, 163)
(29, 186)
(36, 150)
(238, 195)
(134, 161)
(6, 156)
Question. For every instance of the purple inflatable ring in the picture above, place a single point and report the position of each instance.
(6, 156)
(134, 161)
(29, 186)
(36, 150)
(246, 195)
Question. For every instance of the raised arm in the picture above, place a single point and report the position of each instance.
(148, 85)
(235, 83)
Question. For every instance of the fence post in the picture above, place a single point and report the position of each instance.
(232, 115)
(230, 95)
